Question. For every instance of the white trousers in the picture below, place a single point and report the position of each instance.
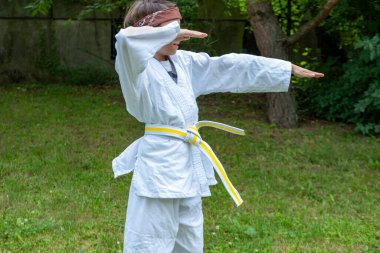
(163, 225)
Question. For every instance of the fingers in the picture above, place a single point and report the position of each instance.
(196, 34)
(311, 74)
(318, 75)
(301, 72)
(192, 33)
(186, 34)
(182, 38)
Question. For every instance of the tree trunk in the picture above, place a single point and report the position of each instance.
(281, 108)
(272, 42)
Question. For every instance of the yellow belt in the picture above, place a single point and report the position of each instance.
(192, 136)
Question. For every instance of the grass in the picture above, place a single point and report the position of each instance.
(311, 189)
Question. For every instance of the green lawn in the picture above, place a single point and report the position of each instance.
(312, 189)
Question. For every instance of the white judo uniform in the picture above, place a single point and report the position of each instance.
(169, 175)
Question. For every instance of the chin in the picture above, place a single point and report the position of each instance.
(172, 52)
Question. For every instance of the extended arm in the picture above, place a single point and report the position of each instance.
(241, 73)
(237, 73)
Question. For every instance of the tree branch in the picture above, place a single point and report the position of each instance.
(313, 22)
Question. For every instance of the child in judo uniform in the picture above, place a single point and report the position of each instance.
(172, 166)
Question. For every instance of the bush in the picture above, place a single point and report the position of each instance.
(350, 92)
(87, 75)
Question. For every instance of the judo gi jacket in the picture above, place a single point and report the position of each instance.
(163, 166)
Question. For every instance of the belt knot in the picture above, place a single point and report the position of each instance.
(193, 137)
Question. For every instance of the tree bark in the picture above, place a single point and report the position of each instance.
(272, 42)
(325, 11)
(281, 107)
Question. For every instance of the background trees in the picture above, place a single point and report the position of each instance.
(340, 37)
(275, 42)
(351, 90)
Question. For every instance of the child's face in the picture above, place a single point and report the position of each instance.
(168, 49)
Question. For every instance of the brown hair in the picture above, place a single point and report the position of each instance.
(142, 8)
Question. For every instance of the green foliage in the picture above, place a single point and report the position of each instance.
(40, 7)
(291, 14)
(188, 7)
(241, 4)
(87, 75)
(48, 55)
(291, 17)
(353, 20)
(103, 6)
(351, 92)
(89, 6)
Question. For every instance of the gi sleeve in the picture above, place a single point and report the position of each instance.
(238, 73)
(135, 46)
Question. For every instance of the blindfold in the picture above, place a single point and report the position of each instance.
(159, 17)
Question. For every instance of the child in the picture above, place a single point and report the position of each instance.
(173, 166)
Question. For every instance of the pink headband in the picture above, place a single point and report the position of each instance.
(159, 17)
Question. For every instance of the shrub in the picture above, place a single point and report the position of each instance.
(350, 92)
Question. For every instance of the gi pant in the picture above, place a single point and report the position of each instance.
(163, 225)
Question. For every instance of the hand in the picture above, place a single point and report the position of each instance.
(185, 34)
(301, 72)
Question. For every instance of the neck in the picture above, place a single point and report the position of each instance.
(160, 57)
